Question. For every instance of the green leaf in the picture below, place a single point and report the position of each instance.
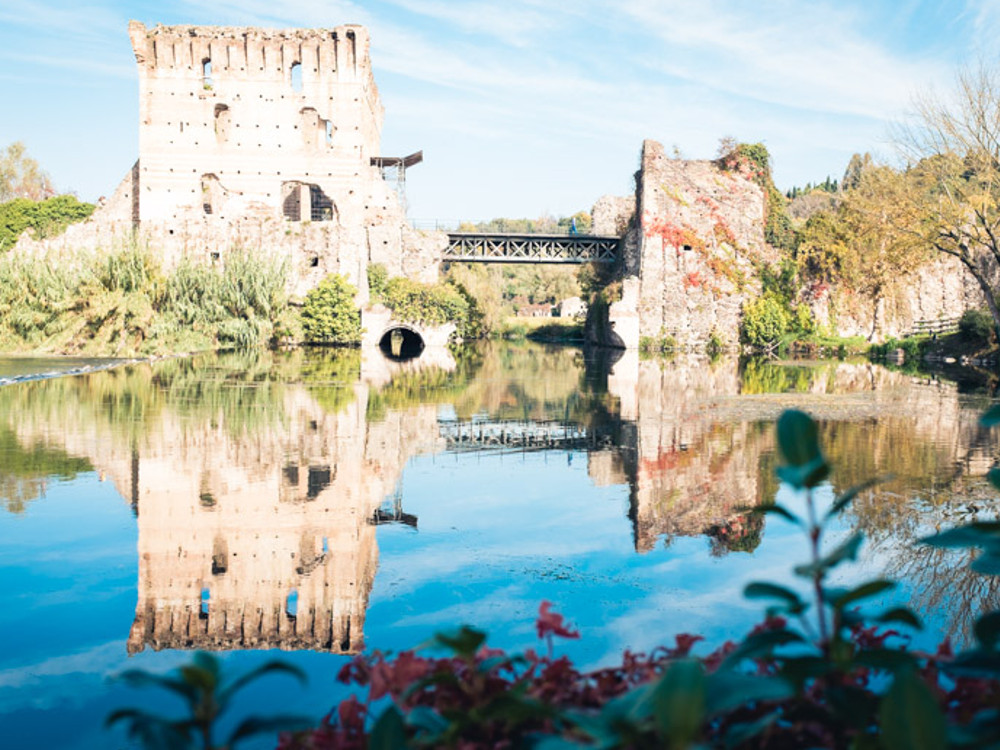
(426, 720)
(978, 534)
(975, 663)
(729, 689)
(848, 496)
(271, 667)
(633, 707)
(987, 629)
(910, 718)
(202, 679)
(466, 642)
(761, 644)
(799, 669)
(901, 615)
(864, 591)
(557, 743)
(988, 562)
(887, 659)
(142, 678)
(807, 475)
(993, 475)
(798, 438)
(776, 510)
(154, 732)
(388, 732)
(763, 590)
(679, 702)
(847, 550)
(269, 725)
(739, 734)
(991, 417)
(853, 706)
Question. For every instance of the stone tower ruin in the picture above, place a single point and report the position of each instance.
(266, 140)
(236, 118)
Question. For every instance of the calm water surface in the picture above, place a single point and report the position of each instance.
(323, 503)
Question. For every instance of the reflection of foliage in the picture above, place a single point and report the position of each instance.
(761, 376)
(741, 533)
(331, 375)
(940, 579)
(24, 470)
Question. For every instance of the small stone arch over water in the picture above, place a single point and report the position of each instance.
(401, 342)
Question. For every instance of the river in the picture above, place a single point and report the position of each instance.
(322, 502)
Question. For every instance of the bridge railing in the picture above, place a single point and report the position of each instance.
(452, 225)
(530, 248)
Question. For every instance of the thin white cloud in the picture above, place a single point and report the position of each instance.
(72, 63)
(814, 57)
(515, 24)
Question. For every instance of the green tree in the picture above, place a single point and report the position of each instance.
(954, 147)
(46, 218)
(21, 176)
(330, 315)
(868, 241)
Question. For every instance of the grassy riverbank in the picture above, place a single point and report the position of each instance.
(121, 303)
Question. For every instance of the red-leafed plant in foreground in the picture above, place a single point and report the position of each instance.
(823, 670)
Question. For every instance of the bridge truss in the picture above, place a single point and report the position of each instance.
(511, 435)
(530, 248)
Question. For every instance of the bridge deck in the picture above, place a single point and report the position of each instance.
(531, 248)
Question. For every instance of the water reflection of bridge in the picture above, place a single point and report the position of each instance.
(519, 435)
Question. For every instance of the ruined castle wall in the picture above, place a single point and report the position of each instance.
(688, 258)
(940, 289)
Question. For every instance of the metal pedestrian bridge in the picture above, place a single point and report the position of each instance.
(474, 247)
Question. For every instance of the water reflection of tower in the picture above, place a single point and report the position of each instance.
(267, 539)
(689, 474)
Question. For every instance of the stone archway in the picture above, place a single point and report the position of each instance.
(401, 342)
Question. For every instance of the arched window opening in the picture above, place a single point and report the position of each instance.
(220, 556)
(321, 205)
(211, 194)
(295, 76)
(292, 604)
(222, 123)
(205, 599)
(328, 127)
(401, 344)
(206, 73)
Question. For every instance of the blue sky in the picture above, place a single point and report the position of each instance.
(526, 107)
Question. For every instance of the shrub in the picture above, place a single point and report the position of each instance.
(329, 315)
(378, 277)
(765, 320)
(413, 302)
(977, 325)
(46, 218)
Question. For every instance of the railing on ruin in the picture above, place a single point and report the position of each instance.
(942, 325)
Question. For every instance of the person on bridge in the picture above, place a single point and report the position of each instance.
(572, 226)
